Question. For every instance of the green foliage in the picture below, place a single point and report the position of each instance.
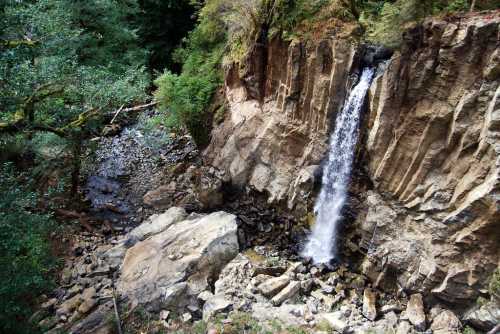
(384, 20)
(185, 98)
(469, 330)
(494, 286)
(72, 57)
(26, 258)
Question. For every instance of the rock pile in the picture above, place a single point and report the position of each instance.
(162, 265)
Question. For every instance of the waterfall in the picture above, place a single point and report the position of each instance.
(322, 243)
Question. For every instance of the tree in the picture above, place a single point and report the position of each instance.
(63, 65)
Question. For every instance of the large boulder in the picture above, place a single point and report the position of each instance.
(170, 268)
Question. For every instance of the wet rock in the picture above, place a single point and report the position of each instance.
(290, 291)
(369, 304)
(215, 305)
(415, 312)
(274, 285)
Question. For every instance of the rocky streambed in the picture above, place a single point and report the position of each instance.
(186, 270)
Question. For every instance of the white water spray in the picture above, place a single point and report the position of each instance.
(322, 243)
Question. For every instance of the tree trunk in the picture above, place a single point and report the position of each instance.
(75, 173)
(473, 5)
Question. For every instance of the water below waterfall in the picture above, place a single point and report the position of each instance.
(322, 243)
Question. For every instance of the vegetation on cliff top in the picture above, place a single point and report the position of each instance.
(227, 30)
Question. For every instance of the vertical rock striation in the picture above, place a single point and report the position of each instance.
(433, 147)
(274, 143)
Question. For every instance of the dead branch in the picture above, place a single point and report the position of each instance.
(116, 114)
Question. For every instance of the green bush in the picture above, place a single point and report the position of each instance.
(185, 98)
(25, 261)
(494, 286)
(384, 19)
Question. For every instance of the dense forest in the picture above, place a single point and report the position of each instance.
(68, 66)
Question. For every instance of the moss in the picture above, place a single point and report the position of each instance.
(324, 326)
(494, 286)
(468, 330)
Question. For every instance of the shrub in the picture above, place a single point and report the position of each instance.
(185, 98)
(383, 19)
(494, 286)
(26, 257)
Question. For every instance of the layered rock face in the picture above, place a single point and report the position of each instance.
(433, 147)
(279, 116)
(430, 148)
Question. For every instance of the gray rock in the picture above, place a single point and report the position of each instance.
(446, 322)
(290, 291)
(215, 305)
(183, 257)
(187, 317)
(404, 327)
(336, 320)
(274, 285)
(290, 314)
(484, 317)
(158, 223)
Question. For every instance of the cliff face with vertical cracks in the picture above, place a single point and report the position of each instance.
(430, 148)
(279, 112)
(433, 147)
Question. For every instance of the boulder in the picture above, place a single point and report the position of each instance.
(369, 304)
(415, 312)
(446, 322)
(274, 285)
(178, 263)
(290, 291)
(162, 197)
(215, 305)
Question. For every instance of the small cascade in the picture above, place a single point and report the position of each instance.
(322, 243)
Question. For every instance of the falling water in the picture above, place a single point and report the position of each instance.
(322, 243)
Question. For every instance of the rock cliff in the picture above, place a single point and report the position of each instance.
(276, 127)
(433, 155)
(430, 146)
